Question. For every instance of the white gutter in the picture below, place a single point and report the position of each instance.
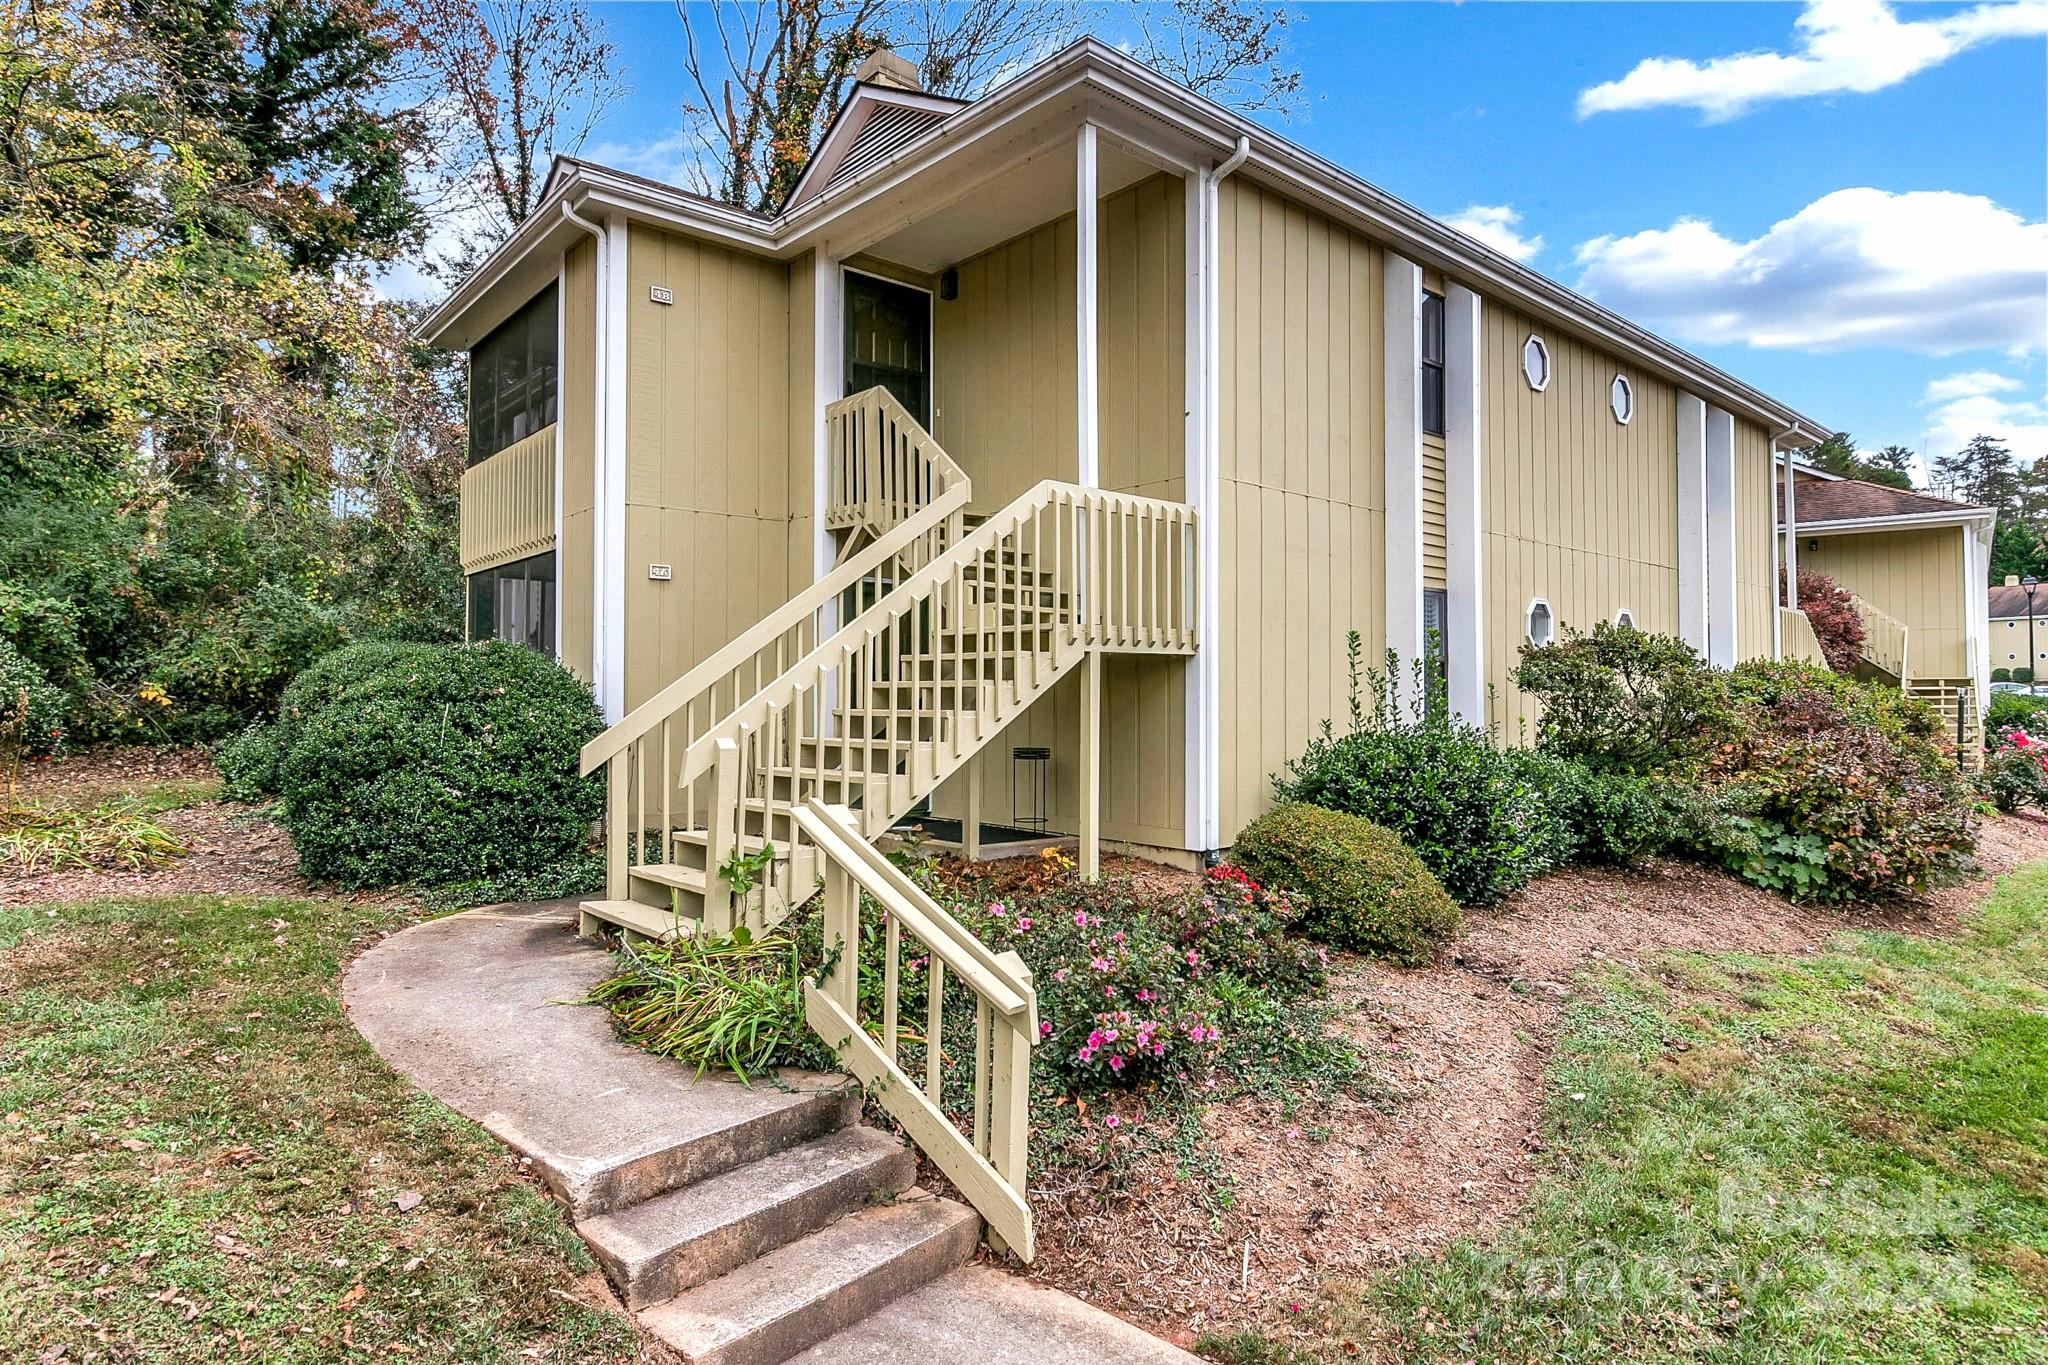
(1913, 522)
(602, 531)
(1291, 168)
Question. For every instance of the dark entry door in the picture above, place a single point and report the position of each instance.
(889, 342)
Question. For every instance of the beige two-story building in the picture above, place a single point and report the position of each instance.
(1084, 420)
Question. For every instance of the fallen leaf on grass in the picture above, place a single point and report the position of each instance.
(408, 1200)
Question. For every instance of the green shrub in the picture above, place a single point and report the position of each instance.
(1603, 817)
(247, 763)
(31, 713)
(1357, 885)
(230, 664)
(1826, 788)
(2001, 675)
(432, 764)
(2011, 711)
(1623, 699)
(2016, 776)
(1465, 807)
(2023, 674)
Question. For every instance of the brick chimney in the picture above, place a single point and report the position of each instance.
(884, 67)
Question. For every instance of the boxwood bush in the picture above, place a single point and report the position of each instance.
(1353, 883)
(435, 763)
(1601, 816)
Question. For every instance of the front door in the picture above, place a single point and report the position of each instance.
(889, 342)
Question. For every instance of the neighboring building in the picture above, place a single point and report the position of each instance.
(2007, 616)
(1276, 405)
(1916, 565)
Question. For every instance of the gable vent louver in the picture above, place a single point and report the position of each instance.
(887, 131)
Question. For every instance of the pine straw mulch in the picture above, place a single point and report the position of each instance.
(232, 850)
(1445, 1148)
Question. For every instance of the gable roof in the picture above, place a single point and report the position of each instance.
(876, 122)
(1132, 102)
(2008, 602)
(1852, 500)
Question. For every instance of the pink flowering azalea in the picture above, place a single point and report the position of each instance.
(1111, 1122)
(1087, 1054)
(1080, 919)
(1144, 994)
(1100, 964)
(1024, 922)
(1045, 1029)
(1116, 1064)
(1095, 1038)
(997, 911)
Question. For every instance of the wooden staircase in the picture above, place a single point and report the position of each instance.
(741, 789)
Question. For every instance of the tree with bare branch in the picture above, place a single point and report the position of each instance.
(516, 82)
(769, 76)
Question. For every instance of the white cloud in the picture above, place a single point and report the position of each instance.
(1965, 405)
(1845, 46)
(1970, 384)
(670, 159)
(1926, 271)
(1495, 225)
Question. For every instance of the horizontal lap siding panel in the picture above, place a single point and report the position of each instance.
(708, 451)
(1434, 482)
(1916, 576)
(1578, 509)
(1755, 527)
(573, 559)
(1301, 518)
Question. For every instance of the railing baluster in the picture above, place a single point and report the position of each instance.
(892, 945)
(981, 1032)
(934, 1023)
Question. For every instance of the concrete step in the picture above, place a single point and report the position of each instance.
(991, 1317)
(656, 1250)
(795, 1297)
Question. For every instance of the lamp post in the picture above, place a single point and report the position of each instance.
(2030, 584)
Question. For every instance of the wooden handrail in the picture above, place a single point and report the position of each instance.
(881, 464)
(989, 1164)
(1885, 638)
(1095, 618)
(785, 618)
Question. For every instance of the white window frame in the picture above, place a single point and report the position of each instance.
(1625, 617)
(1537, 346)
(1621, 399)
(1529, 618)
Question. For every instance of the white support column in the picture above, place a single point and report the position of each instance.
(1087, 389)
(561, 455)
(1464, 516)
(609, 649)
(828, 343)
(1692, 522)
(1091, 766)
(1791, 598)
(1777, 558)
(1401, 284)
(1721, 595)
(1202, 361)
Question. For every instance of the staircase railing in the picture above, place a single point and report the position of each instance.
(1796, 639)
(881, 467)
(664, 726)
(1884, 639)
(958, 649)
(988, 1163)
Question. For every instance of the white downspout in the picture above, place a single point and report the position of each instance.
(601, 529)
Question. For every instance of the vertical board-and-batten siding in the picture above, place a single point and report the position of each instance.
(1916, 576)
(708, 451)
(1755, 524)
(1580, 510)
(1004, 397)
(1301, 517)
(574, 585)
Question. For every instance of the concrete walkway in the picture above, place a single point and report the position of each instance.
(474, 1009)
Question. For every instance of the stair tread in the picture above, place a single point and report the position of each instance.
(651, 920)
(671, 874)
(799, 1294)
(688, 1236)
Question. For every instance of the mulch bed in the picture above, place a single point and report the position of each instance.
(1447, 1148)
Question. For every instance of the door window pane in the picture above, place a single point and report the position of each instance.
(888, 341)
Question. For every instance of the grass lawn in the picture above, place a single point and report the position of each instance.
(1840, 1158)
(201, 1160)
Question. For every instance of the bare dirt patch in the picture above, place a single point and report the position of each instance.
(232, 850)
(1446, 1149)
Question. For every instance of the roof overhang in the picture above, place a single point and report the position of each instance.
(1919, 521)
(1030, 117)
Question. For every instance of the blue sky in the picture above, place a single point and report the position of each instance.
(1851, 214)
